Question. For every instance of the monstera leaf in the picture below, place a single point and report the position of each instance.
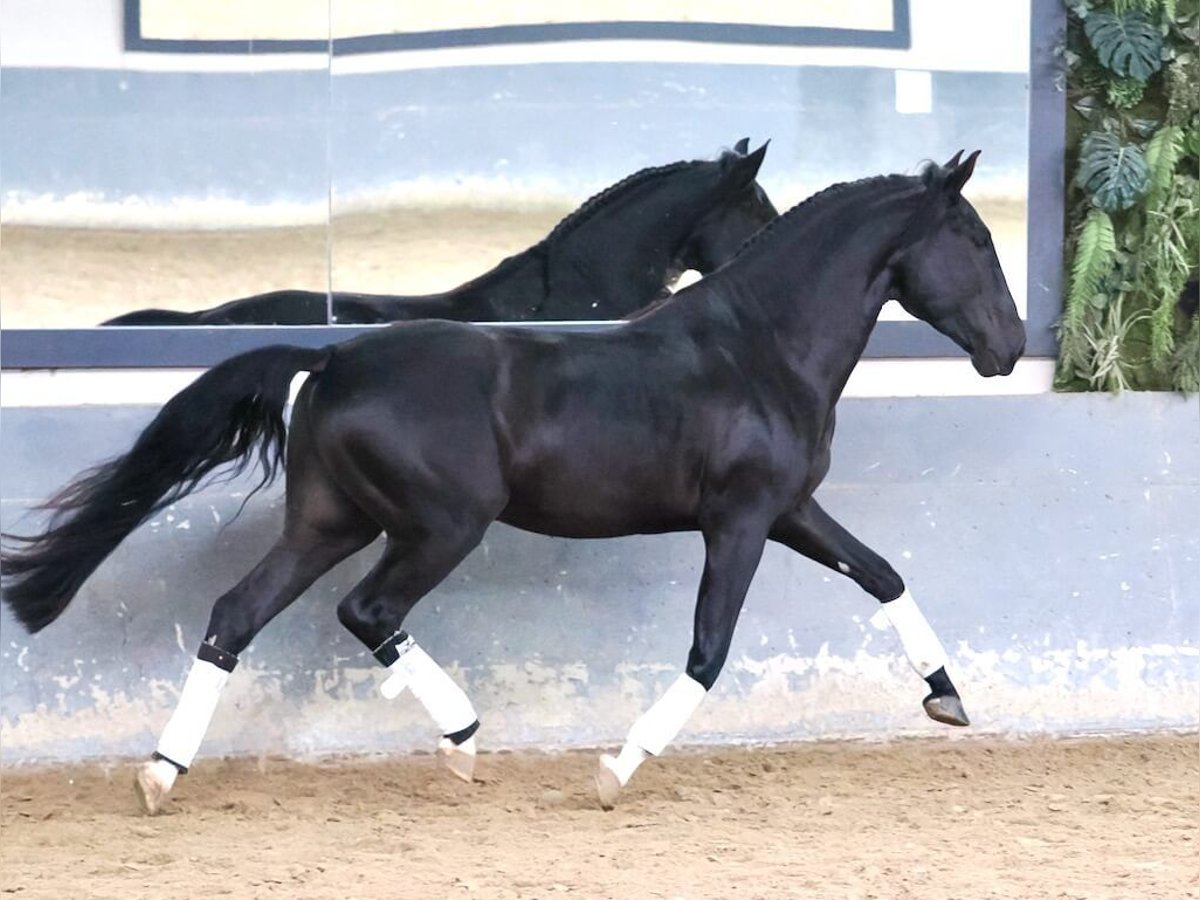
(1113, 174)
(1128, 44)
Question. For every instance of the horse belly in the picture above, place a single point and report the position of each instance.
(566, 499)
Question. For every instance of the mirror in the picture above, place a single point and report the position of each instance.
(204, 152)
(462, 133)
(160, 154)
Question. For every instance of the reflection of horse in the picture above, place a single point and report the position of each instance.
(609, 258)
(713, 413)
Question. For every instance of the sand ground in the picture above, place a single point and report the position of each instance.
(964, 819)
(77, 277)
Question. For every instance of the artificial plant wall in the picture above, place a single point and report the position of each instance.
(1133, 197)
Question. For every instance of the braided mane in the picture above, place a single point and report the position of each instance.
(542, 249)
(573, 220)
(822, 199)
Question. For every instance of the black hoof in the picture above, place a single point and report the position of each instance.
(943, 704)
(946, 709)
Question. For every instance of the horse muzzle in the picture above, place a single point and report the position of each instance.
(989, 362)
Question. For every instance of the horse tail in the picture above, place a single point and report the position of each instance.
(221, 418)
(152, 317)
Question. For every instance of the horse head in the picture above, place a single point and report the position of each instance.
(742, 208)
(948, 274)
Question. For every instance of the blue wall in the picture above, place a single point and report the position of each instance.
(1052, 541)
(261, 138)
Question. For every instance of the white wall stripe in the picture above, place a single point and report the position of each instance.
(871, 378)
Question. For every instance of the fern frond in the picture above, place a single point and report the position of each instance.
(1162, 156)
(1123, 6)
(1094, 256)
(1162, 329)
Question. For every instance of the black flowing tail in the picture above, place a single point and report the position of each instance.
(220, 418)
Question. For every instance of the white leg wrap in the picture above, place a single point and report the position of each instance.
(444, 700)
(921, 644)
(656, 727)
(181, 738)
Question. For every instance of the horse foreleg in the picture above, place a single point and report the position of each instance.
(811, 531)
(733, 550)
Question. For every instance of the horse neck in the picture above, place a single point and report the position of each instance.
(814, 286)
(641, 230)
(511, 290)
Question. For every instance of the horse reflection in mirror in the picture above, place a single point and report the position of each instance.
(611, 257)
(712, 413)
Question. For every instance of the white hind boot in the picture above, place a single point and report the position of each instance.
(185, 730)
(412, 668)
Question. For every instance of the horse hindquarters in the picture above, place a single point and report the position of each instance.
(413, 447)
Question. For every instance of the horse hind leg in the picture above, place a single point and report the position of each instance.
(322, 529)
(374, 612)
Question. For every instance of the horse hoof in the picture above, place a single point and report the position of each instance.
(458, 758)
(152, 782)
(608, 785)
(947, 709)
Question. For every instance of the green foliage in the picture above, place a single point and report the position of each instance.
(1128, 43)
(1183, 87)
(1113, 174)
(1162, 156)
(1126, 93)
(1169, 248)
(1094, 257)
(1133, 81)
(1186, 362)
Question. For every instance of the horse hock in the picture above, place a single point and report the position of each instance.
(409, 666)
(926, 655)
(649, 736)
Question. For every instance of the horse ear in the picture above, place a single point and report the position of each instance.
(961, 172)
(742, 146)
(738, 171)
(749, 165)
(953, 161)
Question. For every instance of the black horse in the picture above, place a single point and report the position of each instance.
(609, 258)
(712, 413)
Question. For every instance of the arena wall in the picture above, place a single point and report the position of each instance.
(1051, 540)
(105, 128)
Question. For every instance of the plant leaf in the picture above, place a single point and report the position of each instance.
(1144, 127)
(1086, 106)
(1112, 173)
(1127, 44)
(1162, 155)
(1095, 254)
